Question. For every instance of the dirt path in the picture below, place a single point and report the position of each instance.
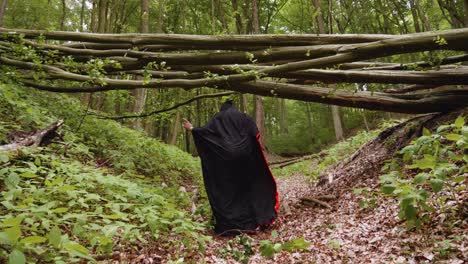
(347, 234)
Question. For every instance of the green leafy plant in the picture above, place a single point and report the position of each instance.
(434, 168)
(269, 248)
(239, 248)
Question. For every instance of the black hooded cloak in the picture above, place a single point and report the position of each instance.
(240, 186)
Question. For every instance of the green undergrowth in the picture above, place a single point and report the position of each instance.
(122, 149)
(334, 154)
(102, 187)
(429, 175)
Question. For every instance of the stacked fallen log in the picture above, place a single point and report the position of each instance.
(287, 66)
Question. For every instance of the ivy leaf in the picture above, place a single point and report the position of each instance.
(33, 240)
(55, 237)
(78, 250)
(3, 157)
(28, 175)
(267, 248)
(437, 185)
(13, 233)
(296, 244)
(60, 210)
(274, 234)
(459, 122)
(16, 257)
(388, 188)
(426, 132)
(421, 177)
(428, 162)
(410, 211)
(12, 180)
(13, 221)
(453, 137)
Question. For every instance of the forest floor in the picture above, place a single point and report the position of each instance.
(348, 234)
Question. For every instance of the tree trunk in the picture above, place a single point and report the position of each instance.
(414, 12)
(140, 94)
(64, 14)
(337, 123)
(238, 17)
(335, 110)
(465, 5)
(2, 11)
(283, 122)
(175, 130)
(83, 7)
(161, 12)
(319, 16)
(221, 16)
(422, 16)
(101, 28)
(259, 111)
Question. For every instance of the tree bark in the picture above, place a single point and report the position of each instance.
(337, 123)
(175, 130)
(83, 7)
(238, 17)
(259, 111)
(140, 94)
(160, 25)
(102, 17)
(465, 6)
(2, 12)
(35, 139)
(414, 12)
(64, 14)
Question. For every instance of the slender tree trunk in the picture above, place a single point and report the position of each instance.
(238, 17)
(160, 25)
(283, 122)
(310, 123)
(140, 94)
(102, 16)
(175, 130)
(422, 16)
(414, 12)
(337, 122)
(221, 16)
(2, 11)
(83, 6)
(335, 109)
(466, 12)
(94, 12)
(364, 118)
(259, 111)
(319, 16)
(64, 14)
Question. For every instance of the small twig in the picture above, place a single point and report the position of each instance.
(86, 113)
(311, 201)
(166, 109)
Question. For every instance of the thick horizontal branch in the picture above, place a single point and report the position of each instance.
(409, 89)
(361, 99)
(270, 54)
(245, 40)
(441, 77)
(175, 106)
(160, 48)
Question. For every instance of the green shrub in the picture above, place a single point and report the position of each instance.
(428, 172)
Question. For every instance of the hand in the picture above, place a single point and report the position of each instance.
(187, 125)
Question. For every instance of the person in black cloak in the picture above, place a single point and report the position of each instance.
(240, 186)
